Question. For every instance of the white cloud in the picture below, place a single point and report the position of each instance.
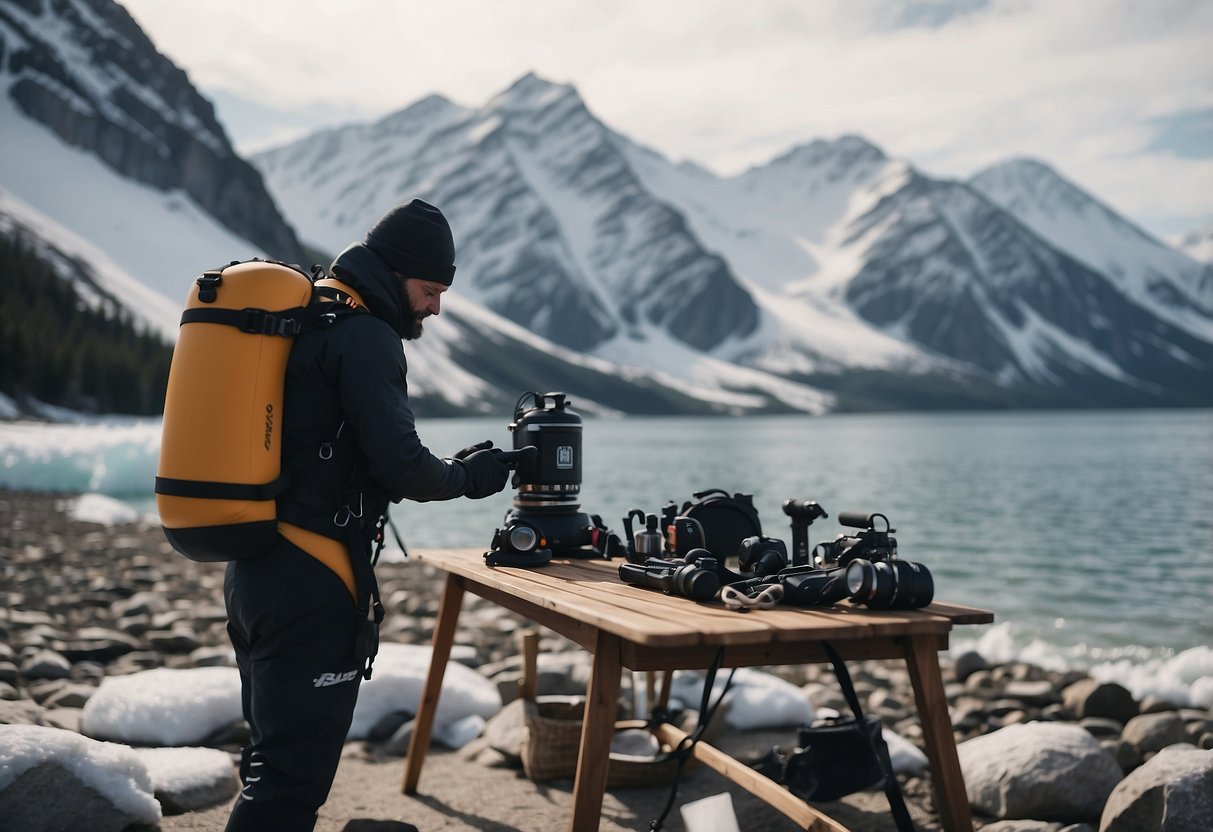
(729, 84)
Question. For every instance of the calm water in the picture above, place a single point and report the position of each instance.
(1090, 534)
(1090, 531)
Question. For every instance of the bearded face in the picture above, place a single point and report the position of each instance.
(412, 317)
(420, 299)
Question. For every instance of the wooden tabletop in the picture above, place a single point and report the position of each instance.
(590, 591)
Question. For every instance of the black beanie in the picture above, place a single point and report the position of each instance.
(415, 240)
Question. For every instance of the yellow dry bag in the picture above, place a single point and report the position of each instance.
(220, 466)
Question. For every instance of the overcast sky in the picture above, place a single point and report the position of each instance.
(1117, 95)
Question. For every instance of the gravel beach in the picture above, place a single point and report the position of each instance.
(73, 589)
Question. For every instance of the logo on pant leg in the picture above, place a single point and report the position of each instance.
(324, 680)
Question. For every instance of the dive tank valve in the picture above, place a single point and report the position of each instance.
(647, 542)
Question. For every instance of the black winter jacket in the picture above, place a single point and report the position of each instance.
(346, 388)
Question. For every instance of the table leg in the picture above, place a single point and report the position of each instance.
(601, 707)
(423, 722)
(951, 799)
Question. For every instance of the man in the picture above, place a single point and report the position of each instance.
(303, 618)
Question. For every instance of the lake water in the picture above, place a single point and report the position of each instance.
(1089, 534)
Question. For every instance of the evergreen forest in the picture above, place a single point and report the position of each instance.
(59, 350)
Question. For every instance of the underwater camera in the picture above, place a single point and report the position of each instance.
(865, 568)
(870, 544)
(546, 520)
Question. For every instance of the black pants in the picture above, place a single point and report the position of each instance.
(291, 621)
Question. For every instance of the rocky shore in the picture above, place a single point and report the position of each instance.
(83, 602)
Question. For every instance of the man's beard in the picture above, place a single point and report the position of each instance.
(412, 320)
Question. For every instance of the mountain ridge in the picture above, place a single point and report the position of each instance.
(834, 276)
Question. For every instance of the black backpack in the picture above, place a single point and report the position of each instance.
(726, 519)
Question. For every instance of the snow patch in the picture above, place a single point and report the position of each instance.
(112, 770)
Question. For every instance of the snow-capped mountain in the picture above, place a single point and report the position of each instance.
(553, 229)
(1197, 244)
(84, 100)
(831, 277)
(830, 263)
(1152, 274)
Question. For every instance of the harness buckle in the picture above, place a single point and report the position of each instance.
(344, 514)
(261, 322)
(208, 286)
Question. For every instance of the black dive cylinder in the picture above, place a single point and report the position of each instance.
(553, 477)
(548, 484)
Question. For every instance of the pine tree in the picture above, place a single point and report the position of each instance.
(57, 349)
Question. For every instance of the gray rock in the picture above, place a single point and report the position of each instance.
(213, 657)
(8, 693)
(233, 734)
(177, 640)
(46, 664)
(1037, 693)
(20, 712)
(372, 825)
(86, 670)
(188, 779)
(1154, 732)
(1042, 770)
(8, 671)
(141, 603)
(29, 618)
(66, 718)
(1153, 704)
(1197, 728)
(506, 731)
(981, 683)
(398, 744)
(1102, 727)
(1002, 707)
(968, 662)
(70, 696)
(1173, 792)
(387, 725)
(1126, 755)
(1021, 826)
(1089, 697)
(44, 689)
(99, 644)
(49, 798)
(134, 625)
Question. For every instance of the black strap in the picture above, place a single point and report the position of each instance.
(285, 322)
(385, 522)
(901, 815)
(221, 490)
(370, 609)
(686, 746)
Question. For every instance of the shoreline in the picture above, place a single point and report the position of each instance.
(98, 567)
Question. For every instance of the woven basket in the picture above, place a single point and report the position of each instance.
(553, 738)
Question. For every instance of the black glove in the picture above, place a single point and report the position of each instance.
(486, 474)
(471, 449)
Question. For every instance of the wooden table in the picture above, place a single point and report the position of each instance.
(642, 629)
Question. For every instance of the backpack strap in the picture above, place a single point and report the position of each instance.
(285, 322)
(901, 815)
(336, 290)
(204, 490)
